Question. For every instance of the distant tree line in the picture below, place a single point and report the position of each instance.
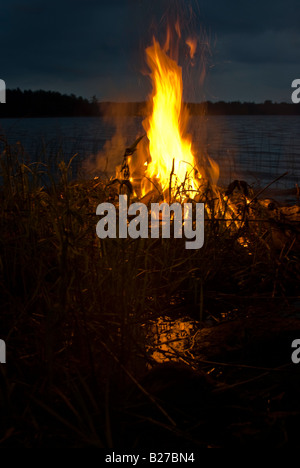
(245, 108)
(46, 104)
(54, 104)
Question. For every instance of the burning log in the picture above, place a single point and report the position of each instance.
(285, 226)
(241, 185)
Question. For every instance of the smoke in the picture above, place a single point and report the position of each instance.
(124, 119)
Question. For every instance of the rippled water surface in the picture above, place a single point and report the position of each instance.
(253, 148)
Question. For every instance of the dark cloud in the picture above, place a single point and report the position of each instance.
(94, 47)
(262, 48)
(251, 16)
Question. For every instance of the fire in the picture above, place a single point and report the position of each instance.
(166, 162)
(172, 162)
(192, 43)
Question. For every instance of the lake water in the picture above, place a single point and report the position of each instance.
(253, 148)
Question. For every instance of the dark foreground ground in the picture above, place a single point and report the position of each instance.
(75, 310)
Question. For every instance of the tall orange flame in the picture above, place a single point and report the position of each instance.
(172, 158)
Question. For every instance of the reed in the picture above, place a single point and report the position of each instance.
(74, 307)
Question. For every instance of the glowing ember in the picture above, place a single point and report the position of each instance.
(192, 43)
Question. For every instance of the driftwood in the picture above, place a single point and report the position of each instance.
(284, 224)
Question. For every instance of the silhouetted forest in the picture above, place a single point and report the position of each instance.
(46, 104)
(245, 108)
(54, 104)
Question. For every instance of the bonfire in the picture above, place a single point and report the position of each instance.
(163, 166)
(167, 163)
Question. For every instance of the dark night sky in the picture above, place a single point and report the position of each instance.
(95, 47)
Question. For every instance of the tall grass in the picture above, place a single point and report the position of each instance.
(73, 306)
